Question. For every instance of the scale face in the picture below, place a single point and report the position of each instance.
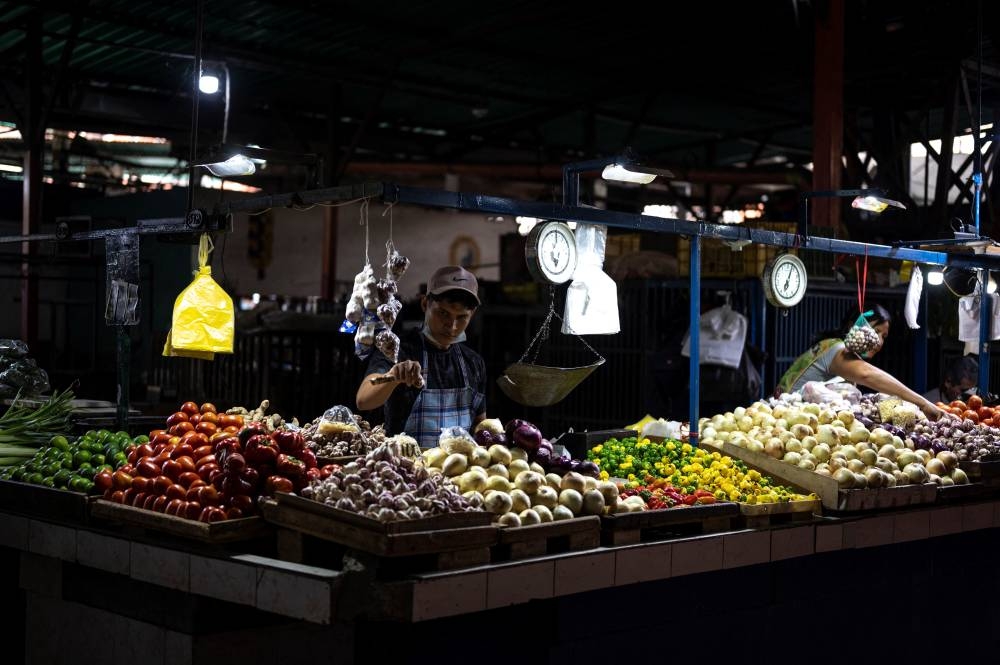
(551, 252)
(785, 280)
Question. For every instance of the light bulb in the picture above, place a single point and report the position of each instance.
(208, 84)
(622, 174)
(935, 277)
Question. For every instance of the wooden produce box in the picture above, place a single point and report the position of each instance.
(46, 502)
(346, 459)
(830, 494)
(572, 535)
(465, 537)
(651, 525)
(982, 472)
(214, 533)
(769, 514)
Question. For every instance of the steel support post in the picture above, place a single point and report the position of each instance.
(694, 364)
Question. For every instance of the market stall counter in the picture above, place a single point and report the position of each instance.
(177, 604)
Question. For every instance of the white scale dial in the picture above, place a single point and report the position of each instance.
(785, 280)
(551, 252)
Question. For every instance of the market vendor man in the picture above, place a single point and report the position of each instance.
(438, 381)
(829, 357)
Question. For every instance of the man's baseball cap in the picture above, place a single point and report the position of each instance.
(449, 278)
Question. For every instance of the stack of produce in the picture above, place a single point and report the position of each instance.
(332, 439)
(260, 416)
(210, 467)
(389, 487)
(971, 435)
(688, 469)
(25, 429)
(834, 444)
(516, 489)
(526, 436)
(73, 464)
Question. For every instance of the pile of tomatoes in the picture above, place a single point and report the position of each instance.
(973, 410)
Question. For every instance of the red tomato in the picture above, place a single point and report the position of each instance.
(176, 492)
(121, 480)
(195, 419)
(174, 505)
(129, 495)
(971, 415)
(207, 459)
(152, 435)
(179, 417)
(233, 513)
(975, 402)
(147, 502)
(161, 484)
(208, 429)
(232, 429)
(212, 514)
(207, 407)
(190, 408)
(183, 449)
(187, 463)
(191, 510)
(208, 496)
(180, 428)
(188, 477)
(205, 471)
(201, 452)
(161, 439)
(210, 418)
(118, 496)
(242, 501)
(959, 404)
(226, 420)
(219, 436)
(147, 468)
(161, 503)
(172, 469)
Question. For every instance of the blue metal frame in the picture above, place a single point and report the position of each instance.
(394, 193)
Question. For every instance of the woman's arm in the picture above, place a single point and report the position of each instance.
(853, 368)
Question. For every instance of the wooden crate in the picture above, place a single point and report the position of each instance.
(964, 492)
(214, 533)
(345, 459)
(651, 525)
(770, 514)
(982, 472)
(47, 502)
(830, 494)
(438, 543)
(572, 535)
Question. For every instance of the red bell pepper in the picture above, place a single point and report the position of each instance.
(309, 457)
(291, 467)
(277, 484)
(260, 450)
(291, 443)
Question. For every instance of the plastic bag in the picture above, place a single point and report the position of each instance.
(913, 298)
(592, 297)
(13, 348)
(818, 392)
(337, 419)
(847, 391)
(723, 333)
(203, 318)
(456, 440)
(25, 373)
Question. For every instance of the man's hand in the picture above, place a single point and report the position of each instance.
(932, 411)
(408, 372)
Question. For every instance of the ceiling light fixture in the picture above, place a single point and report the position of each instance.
(234, 166)
(619, 168)
(935, 277)
(208, 83)
(869, 200)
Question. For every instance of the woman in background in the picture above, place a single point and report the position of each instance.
(829, 358)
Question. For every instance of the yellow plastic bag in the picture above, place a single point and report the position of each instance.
(204, 320)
